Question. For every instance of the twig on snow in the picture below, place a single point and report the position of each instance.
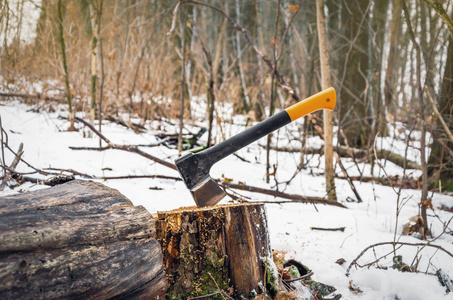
(354, 262)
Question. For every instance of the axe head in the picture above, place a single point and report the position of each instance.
(194, 170)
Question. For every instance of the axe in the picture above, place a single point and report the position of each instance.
(194, 168)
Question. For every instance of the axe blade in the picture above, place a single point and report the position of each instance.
(207, 192)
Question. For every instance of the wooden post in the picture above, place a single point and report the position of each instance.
(78, 240)
(221, 248)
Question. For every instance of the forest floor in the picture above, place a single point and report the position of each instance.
(42, 130)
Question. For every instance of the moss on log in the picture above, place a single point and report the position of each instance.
(220, 248)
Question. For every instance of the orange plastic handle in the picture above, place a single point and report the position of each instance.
(325, 99)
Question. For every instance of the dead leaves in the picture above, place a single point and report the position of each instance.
(354, 289)
(416, 225)
(427, 203)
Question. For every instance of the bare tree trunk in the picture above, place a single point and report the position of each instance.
(183, 77)
(440, 160)
(191, 43)
(40, 25)
(327, 114)
(65, 67)
(241, 67)
(424, 195)
(20, 14)
(94, 39)
(260, 96)
(391, 59)
(273, 92)
(101, 52)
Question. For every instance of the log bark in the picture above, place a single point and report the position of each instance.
(79, 240)
(207, 250)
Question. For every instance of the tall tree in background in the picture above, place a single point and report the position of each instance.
(327, 114)
(273, 93)
(41, 25)
(353, 109)
(246, 100)
(376, 40)
(65, 67)
(421, 102)
(390, 75)
(182, 32)
(440, 160)
(94, 18)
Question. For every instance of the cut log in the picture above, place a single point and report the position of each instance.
(221, 248)
(79, 240)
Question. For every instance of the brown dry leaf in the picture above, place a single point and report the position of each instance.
(354, 289)
(340, 261)
(428, 203)
(417, 220)
(285, 274)
(293, 7)
(278, 257)
(390, 117)
(417, 227)
(287, 296)
(112, 55)
(226, 179)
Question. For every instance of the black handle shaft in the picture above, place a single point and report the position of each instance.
(254, 133)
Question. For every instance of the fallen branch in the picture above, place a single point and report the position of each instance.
(17, 158)
(25, 162)
(128, 148)
(407, 182)
(294, 197)
(299, 278)
(349, 179)
(137, 128)
(140, 176)
(53, 181)
(354, 262)
(31, 96)
(328, 229)
(344, 151)
(73, 172)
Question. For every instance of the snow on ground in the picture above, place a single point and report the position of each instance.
(46, 145)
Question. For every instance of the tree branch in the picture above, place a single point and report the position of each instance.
(294, 197)
(127, 148)
(354, 262)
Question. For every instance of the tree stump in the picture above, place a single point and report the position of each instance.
(79, 240)
(221, 248)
